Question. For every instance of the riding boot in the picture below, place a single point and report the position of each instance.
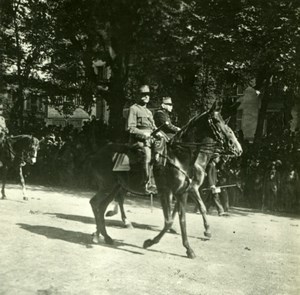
(146, 181)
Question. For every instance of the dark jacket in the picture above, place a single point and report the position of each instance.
(162, 116)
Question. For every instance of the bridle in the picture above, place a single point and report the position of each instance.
(209, 148)
(217, 146)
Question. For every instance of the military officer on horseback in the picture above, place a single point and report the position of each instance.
(140, 125)
(162, 115)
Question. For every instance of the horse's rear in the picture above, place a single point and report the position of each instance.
(111, 184)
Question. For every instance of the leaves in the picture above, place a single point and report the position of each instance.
(195, 51)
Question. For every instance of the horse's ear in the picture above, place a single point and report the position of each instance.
(213, 108)
(227, 120)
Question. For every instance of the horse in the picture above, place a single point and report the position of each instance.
(17, 151)
(188, 153)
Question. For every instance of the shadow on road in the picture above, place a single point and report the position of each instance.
(73, 237)
(108, 222)
(119, 224)
(82, 238)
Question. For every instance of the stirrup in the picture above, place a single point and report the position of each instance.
(151, 189)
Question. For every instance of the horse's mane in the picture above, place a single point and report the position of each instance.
(21, 136)
(178, 136)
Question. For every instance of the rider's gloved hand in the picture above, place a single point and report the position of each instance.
(213, 189)
(159, 135)
(145, 136)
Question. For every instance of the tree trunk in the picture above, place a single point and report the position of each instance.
(116, 101)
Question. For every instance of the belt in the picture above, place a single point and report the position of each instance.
(145, 128)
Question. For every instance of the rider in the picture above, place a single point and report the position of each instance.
(162, 115)
(140, 125)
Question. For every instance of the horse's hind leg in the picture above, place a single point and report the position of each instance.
(119, 202)
(182, 219)
(169, 218)
(115, 209)
(99, 206)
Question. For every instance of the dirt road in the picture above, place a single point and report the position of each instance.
(45, 248)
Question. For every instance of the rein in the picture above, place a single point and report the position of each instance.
(189, 145)
(171, 162)
(208, 148)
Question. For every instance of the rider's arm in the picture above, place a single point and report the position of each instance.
(160, 118)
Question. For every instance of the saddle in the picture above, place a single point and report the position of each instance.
(121, 162)
(132, 155)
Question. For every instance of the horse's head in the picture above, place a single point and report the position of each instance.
(223, 133)
(210, 132)
(30, 153)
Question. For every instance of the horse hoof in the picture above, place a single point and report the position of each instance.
(128, 224)
(95, 238)
(25, 198)
(190, 254)
(110, 213)
(172, 231)
(207, 234)
(147, 244)
(109, 240)
(4, 198)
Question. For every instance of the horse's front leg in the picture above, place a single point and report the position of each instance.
(199, 175)
(195, 194)
(95, 203)
(22, 180)
(182, 219)
(4, 182)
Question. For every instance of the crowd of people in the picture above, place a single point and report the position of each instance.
(267, 174)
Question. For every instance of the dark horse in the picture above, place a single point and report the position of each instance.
(187, 156)
(16, 152)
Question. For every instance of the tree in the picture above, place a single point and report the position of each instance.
(269, 42)
(24, 40)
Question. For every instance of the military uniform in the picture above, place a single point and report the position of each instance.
(161, 117)
(140, 125)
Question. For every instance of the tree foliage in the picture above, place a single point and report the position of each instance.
(194, 51)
